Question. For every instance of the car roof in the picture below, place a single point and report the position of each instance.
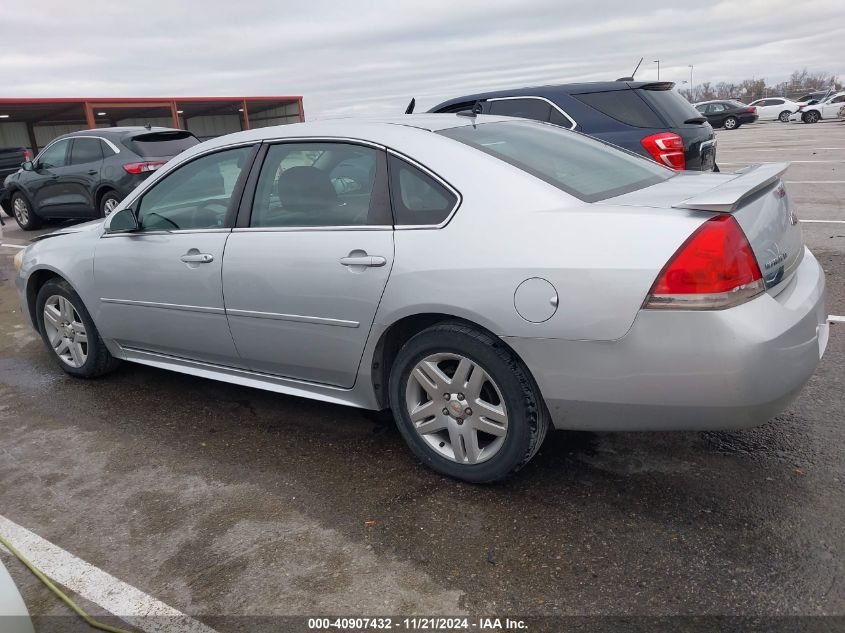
(552, 90)
(117, 133)
(381, 130)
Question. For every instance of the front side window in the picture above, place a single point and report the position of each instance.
(318, 184)
(715, 108)
(581, 166)
(55, 155)
(85, 150)
(417, 198)
(194, 196)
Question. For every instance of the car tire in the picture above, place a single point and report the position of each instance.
(783, 117)
(731, 123)
(23, 213)
(70, 335)
(108, 201)
(811, 117)
(516, 422)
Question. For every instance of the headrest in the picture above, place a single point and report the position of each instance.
(305, 188)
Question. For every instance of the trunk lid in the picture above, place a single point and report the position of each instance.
(756, 196)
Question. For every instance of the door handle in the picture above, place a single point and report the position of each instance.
(197, 258)
(363, 260)
(92, 172)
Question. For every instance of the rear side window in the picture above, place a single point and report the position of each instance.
(581, 166)
(312, 184)
(417, 198)
(670, 104)
(624, 106)
(535, 109)
(85, 150)
(161, 144)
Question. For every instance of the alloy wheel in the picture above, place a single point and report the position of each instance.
(730, 124)
(21, 210)
(456, 408)
(109, 205)
(65, 331)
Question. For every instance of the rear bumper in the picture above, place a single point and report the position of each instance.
(748, 118)
(687, 370)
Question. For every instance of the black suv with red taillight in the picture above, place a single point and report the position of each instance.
(646, 117)
(86, 174)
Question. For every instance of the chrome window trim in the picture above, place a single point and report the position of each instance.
(111, 145)
(458, 197)
(551, 103)
(298, 139)
(349, 140)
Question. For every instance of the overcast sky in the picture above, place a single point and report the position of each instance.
(358, 57)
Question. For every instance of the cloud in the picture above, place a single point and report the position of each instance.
(372, 57)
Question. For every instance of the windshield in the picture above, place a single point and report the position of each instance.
(583, 167)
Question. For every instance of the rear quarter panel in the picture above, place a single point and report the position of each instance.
(510, 227)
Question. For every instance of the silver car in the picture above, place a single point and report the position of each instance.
(483, 277)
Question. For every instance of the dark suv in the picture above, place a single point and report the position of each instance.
(649, 118)
(86, 174)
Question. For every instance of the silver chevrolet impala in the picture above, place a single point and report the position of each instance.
(482, 277)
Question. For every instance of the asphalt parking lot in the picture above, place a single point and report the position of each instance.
(216, 499)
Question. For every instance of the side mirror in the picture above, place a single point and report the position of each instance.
(123, 221)
(28, 166)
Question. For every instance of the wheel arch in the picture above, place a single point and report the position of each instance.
(100, 192)
(399, 332)
(35, 282)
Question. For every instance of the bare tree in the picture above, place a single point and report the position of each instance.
(800, 82)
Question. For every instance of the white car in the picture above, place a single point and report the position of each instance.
(827, 109)
(775, 108)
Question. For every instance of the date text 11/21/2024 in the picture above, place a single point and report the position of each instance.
(433, 624)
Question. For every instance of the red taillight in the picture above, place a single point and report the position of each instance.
(666, 148)
(141, 168)
(715, 268)
(26, 155)
(751, 109)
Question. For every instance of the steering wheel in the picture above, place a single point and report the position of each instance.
(168, 220)
(204, 217)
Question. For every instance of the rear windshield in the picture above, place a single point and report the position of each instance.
(583, 167)
(671, 106)
(162, 144)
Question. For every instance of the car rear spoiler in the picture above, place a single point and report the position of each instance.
(728, 197)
